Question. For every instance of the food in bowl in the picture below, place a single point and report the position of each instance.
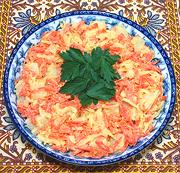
(90, 90)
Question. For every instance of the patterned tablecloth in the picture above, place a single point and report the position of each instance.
(159, 17)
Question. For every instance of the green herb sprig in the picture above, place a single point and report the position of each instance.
(90, 76)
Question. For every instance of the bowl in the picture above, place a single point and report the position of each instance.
(14, 67)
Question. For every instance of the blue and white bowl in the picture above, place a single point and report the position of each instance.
(15, 63)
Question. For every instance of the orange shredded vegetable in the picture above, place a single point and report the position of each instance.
(96, 130)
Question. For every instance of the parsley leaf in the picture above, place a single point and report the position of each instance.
(111, 59)
(70, 74)
(90, 76)
(74, 86)
(85, 99)
(72, 55)
(100, 92)
(106, 71)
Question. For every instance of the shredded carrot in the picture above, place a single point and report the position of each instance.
(96, 130)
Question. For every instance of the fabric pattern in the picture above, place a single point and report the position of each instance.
(159, 17)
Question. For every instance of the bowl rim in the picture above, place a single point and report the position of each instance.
(84, 161)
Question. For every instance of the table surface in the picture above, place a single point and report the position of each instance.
(159, 17)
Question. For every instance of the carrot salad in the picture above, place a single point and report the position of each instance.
(95, 130)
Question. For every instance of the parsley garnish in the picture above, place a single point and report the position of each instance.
(89, 76)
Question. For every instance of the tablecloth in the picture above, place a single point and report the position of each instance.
(161, 18)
